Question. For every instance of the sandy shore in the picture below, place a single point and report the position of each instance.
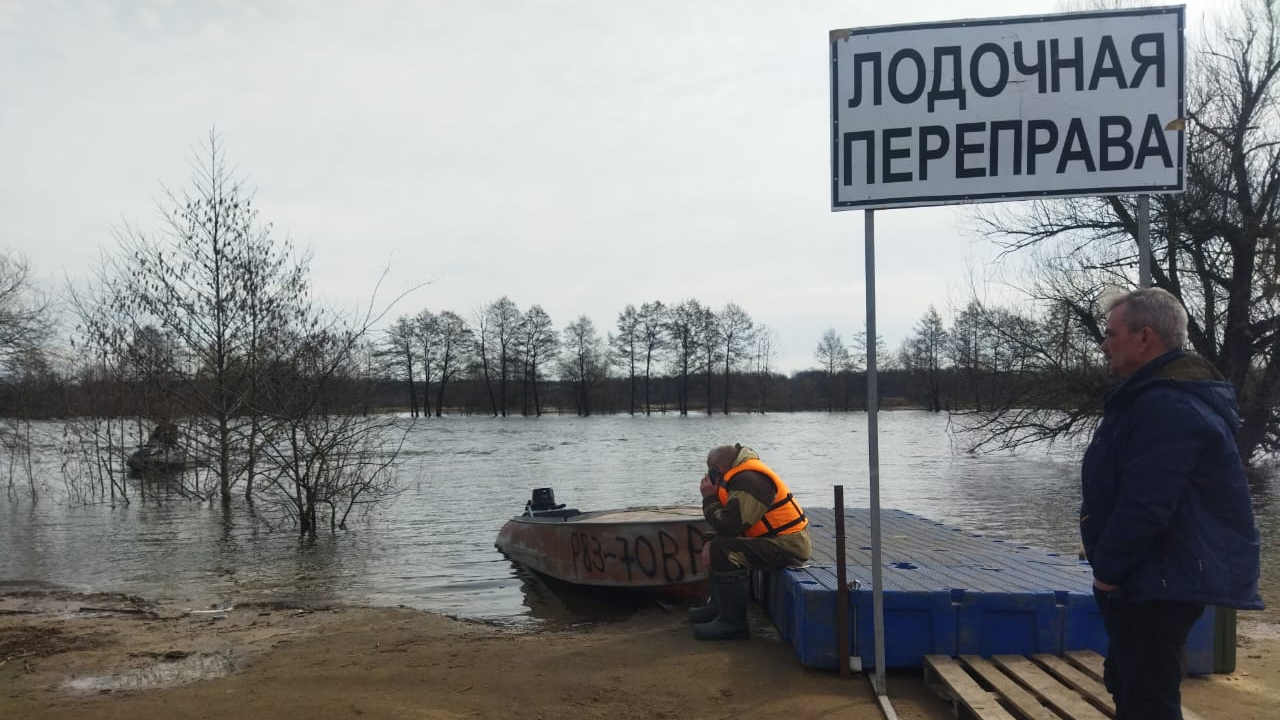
(100, 656)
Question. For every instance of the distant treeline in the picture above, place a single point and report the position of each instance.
(688, 358)
(685, 359)
(53, 397)
(806, 391)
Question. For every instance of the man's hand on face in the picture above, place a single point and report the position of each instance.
(706, 487)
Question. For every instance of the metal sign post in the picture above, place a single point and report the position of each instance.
(873, 451)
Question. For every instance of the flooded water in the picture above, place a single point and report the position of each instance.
(161, 673)
(432, 548)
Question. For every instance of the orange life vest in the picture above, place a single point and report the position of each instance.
(784, 515)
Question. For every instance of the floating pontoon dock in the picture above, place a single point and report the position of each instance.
(946, 592)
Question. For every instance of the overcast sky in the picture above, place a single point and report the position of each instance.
(578, 154)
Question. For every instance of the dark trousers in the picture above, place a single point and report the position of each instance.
(733, 553)
(1145, 655)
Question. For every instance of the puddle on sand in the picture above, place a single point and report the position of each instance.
(161, 673)
(1259, 630)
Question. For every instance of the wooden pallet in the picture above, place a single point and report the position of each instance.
(1014, 687)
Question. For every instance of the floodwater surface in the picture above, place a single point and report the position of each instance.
(462, 477)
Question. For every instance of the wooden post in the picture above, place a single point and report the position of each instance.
(842, 588)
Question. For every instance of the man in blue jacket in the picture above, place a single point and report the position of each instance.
(1166, 519)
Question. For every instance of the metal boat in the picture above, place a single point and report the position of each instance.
(652, 548)
(154, 457)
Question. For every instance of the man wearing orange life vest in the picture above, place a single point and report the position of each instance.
(757, 524)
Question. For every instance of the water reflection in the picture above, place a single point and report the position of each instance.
(464, 477)
(1263, 487)
(556, 603)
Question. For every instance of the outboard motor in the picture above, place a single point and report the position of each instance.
(544, 499)
(543, 504)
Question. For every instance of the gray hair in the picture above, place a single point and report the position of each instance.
(1155, 308)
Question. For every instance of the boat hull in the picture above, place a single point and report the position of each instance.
(154, 458)
(656, 549)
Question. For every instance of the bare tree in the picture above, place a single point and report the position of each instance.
(1214, 246)
(708, 338)
(734, 326)
(483, 352)
(538, 344)
(834, 360)
(426, 331)
(97, 437)
(858, 364)
(766, 352)
(683, 327)
(653, 318)
(964, 351)
(583, 361)
(1036, 388)
(269, 384)
(922, 356)
(504, 328)
(26, 319)
(29, 375)
(626, 349)
(26, 322)
(858, 351)
(450, 351)
(216, 284)
(274, 285)
(325, 459)
(401, 345)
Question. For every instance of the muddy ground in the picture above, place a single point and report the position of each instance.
(110, 656)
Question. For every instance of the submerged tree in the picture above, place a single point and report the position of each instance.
(652, 320)
(536, 345)
(503, 325)
(450, 354)
(627, 346)
(965, 344)
(734, 326)
(583, 361)
(922, 357)
(482, 351)
(26, 322)
(1034, 375)
(426, 332)
(265, 383)
(765, 349)
(399, 354)
(217, 286)
(326, 458)
(683, 324)
(833, 359)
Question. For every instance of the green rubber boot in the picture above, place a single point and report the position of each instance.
(708, 611)
(730, 591)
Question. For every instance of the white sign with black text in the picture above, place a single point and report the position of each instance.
(1005, 109)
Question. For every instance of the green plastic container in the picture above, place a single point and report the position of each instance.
(1224, 640)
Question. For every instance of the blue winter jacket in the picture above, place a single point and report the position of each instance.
(1166, 513)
